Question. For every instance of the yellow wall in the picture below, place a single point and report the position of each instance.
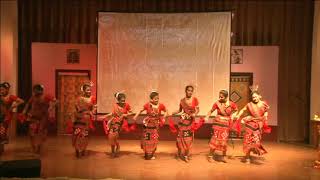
(9, 48)
(9, 42)
(315, 72)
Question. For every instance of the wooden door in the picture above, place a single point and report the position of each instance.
(67, 90)
(239, 89)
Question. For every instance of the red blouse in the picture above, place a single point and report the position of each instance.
(189, 108)
(223, 109)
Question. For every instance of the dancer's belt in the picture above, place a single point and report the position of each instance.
(34, 118)
(190, 122)
(182, 124)
(118, 123)
(146, 127)
(187, 133)
(186, 116)
(252, 128)
(221, 125)
(222, 118)
(79, 123)
(152, 118)
(115, 129)
(84, 112)
(2, 117)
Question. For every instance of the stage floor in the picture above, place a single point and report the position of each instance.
(284, 161)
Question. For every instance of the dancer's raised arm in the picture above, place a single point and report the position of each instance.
(137, 114)
(177, 111)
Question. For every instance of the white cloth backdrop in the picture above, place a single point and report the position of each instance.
(139, 52)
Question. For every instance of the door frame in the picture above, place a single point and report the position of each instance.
(66, 71)
(58, 71)
(250, 74)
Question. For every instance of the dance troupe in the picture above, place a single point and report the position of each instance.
(40, 109)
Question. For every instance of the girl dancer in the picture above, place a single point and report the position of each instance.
(221, 125)
(189, 108)
(85, 109)
(8, 107)
(151, 124)
(121, 111)
(38, 109)
(255, 124)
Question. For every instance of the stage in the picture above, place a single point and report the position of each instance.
(284, 161)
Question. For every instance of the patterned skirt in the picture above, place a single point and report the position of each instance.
(80, 136)
(113, 135)
(38, 132)
(252, 139)
(219, 139)
(185, 138)
(3, 133)
(150, 140)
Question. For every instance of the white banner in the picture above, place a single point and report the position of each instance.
(139, 52)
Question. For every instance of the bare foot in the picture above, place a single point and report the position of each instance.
(118, 149)
(113, 155)
(83, 153)
(248, 161)
(1, 149)
(178, 156)
(210, 158)
(77, 154)
(223, 159)
(39, 149)
(186, 159)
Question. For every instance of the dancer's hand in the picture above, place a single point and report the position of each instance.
(29, 115)
(134, 118)
(144, 122)
(103, 118)
(233, 117)
(94, 110)
(265, 117)
(14, 105)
